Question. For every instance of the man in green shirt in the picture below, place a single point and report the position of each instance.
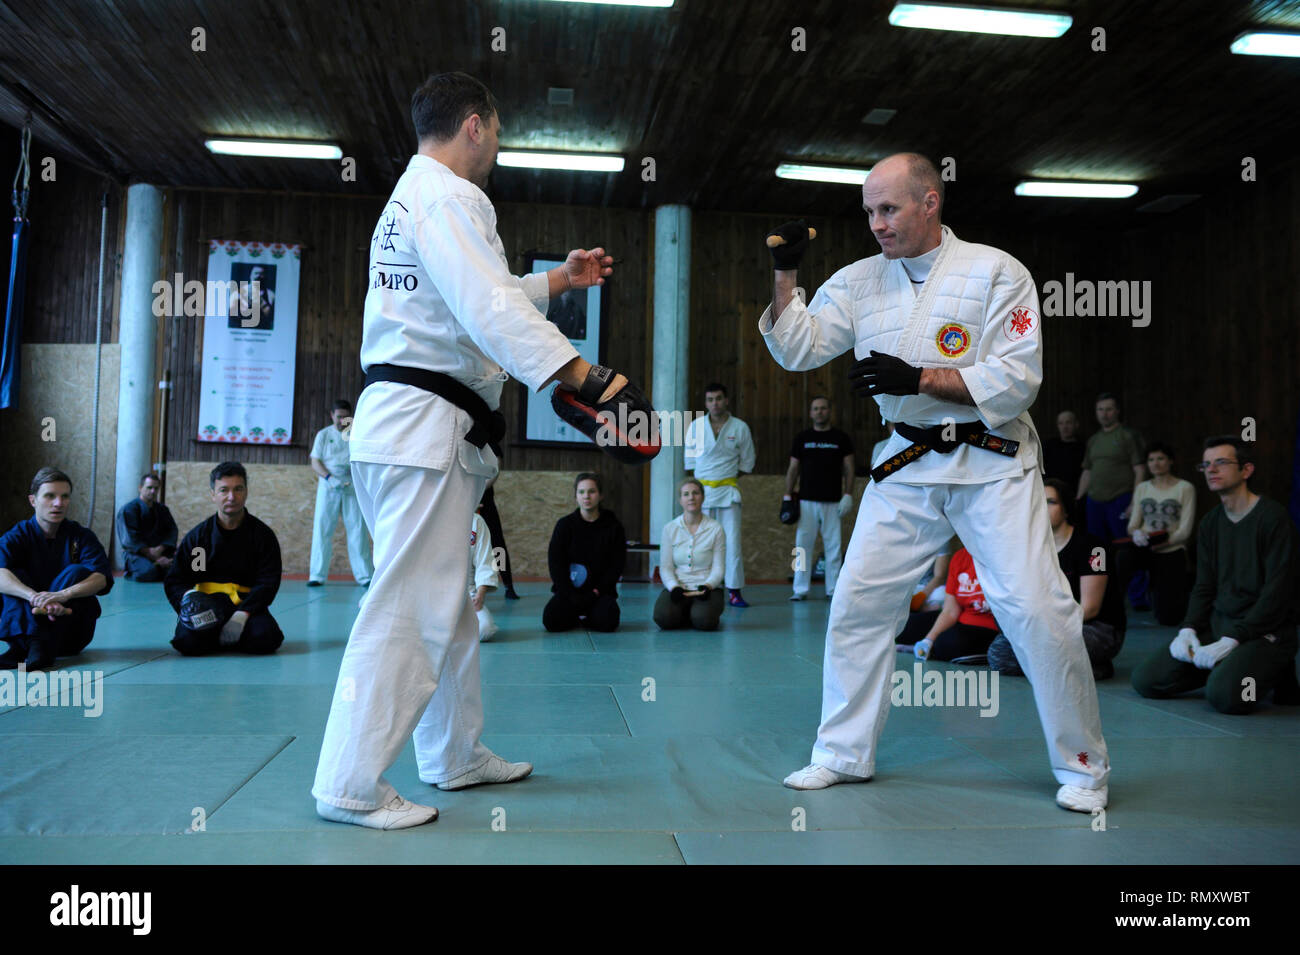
(1114, 464)
(1238, 639)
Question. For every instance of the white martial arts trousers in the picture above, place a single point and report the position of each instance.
(411, 663)
(331, 504)
(1004, 525)
(729, 518)
(817, 517)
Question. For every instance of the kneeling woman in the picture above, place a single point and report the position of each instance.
(692, 561)
(586, 557)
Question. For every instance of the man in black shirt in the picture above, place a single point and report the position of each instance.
(148, 534)
(233, 553)
(1085, 561)
(821, 463)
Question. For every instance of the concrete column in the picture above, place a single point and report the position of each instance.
(671, 356)
(136, 389)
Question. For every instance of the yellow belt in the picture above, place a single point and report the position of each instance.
(731, 481)
(233, 591)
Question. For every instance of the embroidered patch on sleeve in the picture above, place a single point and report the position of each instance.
(1021, 322)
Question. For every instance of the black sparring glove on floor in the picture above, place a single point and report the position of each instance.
(625, 427)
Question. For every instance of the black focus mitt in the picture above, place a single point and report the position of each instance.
(790, 510)
(626, 427)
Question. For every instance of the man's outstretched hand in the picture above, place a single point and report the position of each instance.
(584, 268)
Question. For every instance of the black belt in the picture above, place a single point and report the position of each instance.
(932, 439)
(489, 426)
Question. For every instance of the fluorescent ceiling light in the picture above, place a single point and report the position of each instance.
(962, 19)
(841, 174)
(1077, 190)
(278, 149)
(624, 3)
(1267, 44)
(580, 162)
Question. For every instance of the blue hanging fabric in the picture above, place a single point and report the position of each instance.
(10, 363)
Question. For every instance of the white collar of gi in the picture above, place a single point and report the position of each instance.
(918, 267)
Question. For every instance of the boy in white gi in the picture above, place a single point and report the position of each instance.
(485, 577)
(718, 449)
(335, 498)
(949, 340)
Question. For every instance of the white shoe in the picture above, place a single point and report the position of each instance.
(1078, 799)
(814, 776)
(398, 814)
(495, 770)
(798, 596)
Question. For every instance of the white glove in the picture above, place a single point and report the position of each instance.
(1140, 538)
(922, 648)
(844, 506)
(231, 632)
(1184, 646)
(1211, 653)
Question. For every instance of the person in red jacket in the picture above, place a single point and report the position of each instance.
(964, 627)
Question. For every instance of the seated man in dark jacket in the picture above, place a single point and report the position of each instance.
(51, 570)
(148, 534)
(1239, 637)
(233, 553)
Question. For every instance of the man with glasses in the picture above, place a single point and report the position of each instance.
(1238, 639)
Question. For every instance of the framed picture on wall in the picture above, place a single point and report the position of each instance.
(581, 315)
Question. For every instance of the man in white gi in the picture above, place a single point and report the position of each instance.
(949, 341)
(336, 497)
(719, 448)
(442, 312)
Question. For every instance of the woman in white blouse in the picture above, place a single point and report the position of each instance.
(692, 560)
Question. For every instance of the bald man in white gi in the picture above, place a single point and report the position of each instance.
(948, 338)
(443, 315)
(718, 449)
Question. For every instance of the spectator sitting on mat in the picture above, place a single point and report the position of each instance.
(692, 565)
(964, 627)
(51, 570)
(148, 534)
(1085, 561)
(1238, 639)
(231, 553)
(586, 556)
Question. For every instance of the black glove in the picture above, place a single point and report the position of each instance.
(883, 374)
(677, 595)
(790, 510)
(626, 426)
(787, 255)
(704, 590)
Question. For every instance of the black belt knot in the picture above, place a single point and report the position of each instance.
(489, 426)
(934, 439)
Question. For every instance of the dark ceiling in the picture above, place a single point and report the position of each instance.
(711, 89)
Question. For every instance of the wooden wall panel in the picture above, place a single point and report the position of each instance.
(63, 255)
